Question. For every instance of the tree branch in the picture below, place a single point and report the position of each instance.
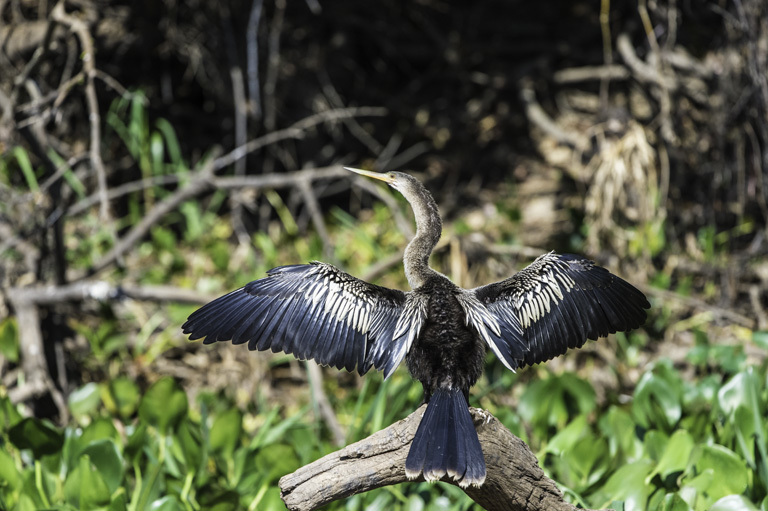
(515, 482)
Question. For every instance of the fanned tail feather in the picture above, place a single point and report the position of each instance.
(446, 442)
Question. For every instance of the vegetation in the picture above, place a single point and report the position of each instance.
(658, 173)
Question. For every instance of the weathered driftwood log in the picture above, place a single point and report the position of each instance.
(515, 482)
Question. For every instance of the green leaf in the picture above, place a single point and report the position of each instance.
(188, 441)
(676, 454)
(106, 457)
(276, 460)
(734, 503)
(657, 399)
(85, 488)
(9, 475)
(674, 502)
(724, 472)
(9, 339)
(26, 168)
(654, 444)
(100, 429)
(568, 437)
(760, 338)
(618, 428)
(628, 484)
(85, 400)
(741, 390)
(552, 401)
(37, 435)
(9, 415)
(163, 405)
(167, 503)
(226, 430)
(121, 396)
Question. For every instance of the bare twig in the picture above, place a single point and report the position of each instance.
(252, 58)
(88, 56)
(354, 127)
(540, 118)
(324, 408)
(102, 291)
(515, 482)
(297, 130)
(33, 361)
(273, 64)
(199, 183)
(305, 188)
(587, 73)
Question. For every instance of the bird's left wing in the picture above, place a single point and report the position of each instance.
(310, 311)
(555, 303)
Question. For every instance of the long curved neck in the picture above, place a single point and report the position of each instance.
(428, 230)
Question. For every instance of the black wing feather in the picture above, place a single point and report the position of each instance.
(556, 303)
(311, 311)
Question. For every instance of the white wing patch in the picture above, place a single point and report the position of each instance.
(409, 323)
(542, 294)
(481, 320)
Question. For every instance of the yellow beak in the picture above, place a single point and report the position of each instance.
(375, 175)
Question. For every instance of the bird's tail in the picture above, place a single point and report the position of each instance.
(446, 442)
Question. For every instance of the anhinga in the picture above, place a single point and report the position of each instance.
(442, 331)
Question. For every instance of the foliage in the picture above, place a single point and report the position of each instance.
(677, 445)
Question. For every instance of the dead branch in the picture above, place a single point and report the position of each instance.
(88, 57)
(514, 481)
(102, 291)
(542, 119)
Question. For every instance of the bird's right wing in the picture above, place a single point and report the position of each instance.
(555, 303)
(314, 311)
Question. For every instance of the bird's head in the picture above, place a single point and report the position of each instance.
(400, 181)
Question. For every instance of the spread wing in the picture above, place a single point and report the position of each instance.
(312, 311)
(556, 303)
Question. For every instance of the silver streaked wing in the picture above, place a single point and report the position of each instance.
(507, 345)
(558, 302)
(310, 311)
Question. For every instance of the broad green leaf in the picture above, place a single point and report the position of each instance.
(85, 488)
(106, 457)
(760, 338)
(618, 428)
(276, 460)
(37, 435)
(85, 400)
(226, 430)
(657, 399)
(728, 473)
(628, 484)
(569, 436)
(676, 454)
(121, 396)
(734, 503)
(98, 430)
(163, 405)
(551, 401)
(188, 445)
(9, 475)
(674, 502)
(167, 503)
(9, 415)
(741, 390)
(26, 503)
(654, 444)
(585, 458)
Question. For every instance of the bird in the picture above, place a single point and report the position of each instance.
(442, 331)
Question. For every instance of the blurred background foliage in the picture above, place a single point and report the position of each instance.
(633, 132)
